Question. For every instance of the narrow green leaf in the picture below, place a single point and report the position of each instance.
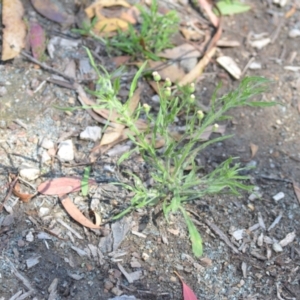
(231, 7)
(85, 181)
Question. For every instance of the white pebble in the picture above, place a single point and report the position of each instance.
(28, 172)
(278, 196)
(66, 151)
(277, 247)
(92, 133)
(29, 237)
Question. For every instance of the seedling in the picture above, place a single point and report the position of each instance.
(151, 37)
(175, 174)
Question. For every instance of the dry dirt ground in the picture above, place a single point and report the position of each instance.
(76, 263)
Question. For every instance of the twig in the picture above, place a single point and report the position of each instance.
(11, 186)
(275, 178)
(46, 67)
(222, 235)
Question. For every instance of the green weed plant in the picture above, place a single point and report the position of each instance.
(176, 177)
(152, 36)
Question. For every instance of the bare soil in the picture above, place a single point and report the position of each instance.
(88, 264)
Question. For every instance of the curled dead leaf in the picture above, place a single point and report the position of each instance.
(75, 213)
(96, 216)
(22, 196)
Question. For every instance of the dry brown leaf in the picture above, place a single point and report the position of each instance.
(133, 102)
(90, 11)
(120, 60)
(105, 113)
(180, 52)
(130, 15)
(53, 11)
(23, 196)
(14, 29)
(208, 8)
(296, 190)
(114, 134)
(97, 217)
(109, 25)
(191, 34)
(254, 149)
(173, 72)
(198, 70)
(155, 84)
(75, 213)
(110, 136)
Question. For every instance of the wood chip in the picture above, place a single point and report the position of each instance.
(275, 222)
(222, 235)
(139, 234)
(261, 221)
(288, 239)
(127, 275)
(70, 228)
(32, 261)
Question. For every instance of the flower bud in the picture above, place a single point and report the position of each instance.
(192, 99)
(168, 82)
(156, 76)
(200, 114)
(191, 87)
(147, 107)
(167, 91)
(215, 127)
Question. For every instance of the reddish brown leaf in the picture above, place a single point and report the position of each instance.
(187, 292)
(60, 186)
(75, 213)
(297, 190)
(37, 40)
(53, 11)
(17, 192)
(254, 149)
(208, 8)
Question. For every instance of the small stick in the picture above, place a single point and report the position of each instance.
(46, 67)
(11, 186)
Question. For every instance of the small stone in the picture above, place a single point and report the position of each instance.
(66, 151)
(278, 196)
(135, 264)
(45, 157)
(255, 66)
(155, 98)
(255, 196)
(29, 237)
(108, 285)
(29, 172)
(21, 243)
(46, 144)
(91, 133)
(145, 256)
(238, 234)
(44, 211)
(3, 91)
(51, 152)
(293, 33)
(116, 291)
(173, 279)
(277, 247)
